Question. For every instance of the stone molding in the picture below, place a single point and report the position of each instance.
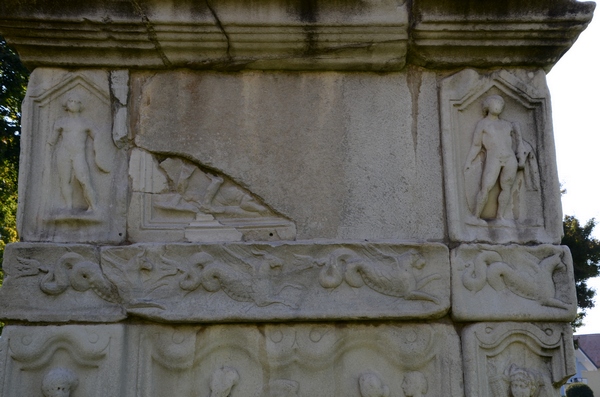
(272, 360)
(539, 356)
(201, 283)
(495, 34)
(298, 35)
(223, 35)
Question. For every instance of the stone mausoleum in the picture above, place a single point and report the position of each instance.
(288, 198)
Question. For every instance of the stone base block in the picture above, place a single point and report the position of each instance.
(316, 359)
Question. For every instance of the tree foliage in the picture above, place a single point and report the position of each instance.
(586, 261)
(579, 390)
(13, 83)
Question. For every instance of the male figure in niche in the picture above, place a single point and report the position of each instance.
(505, 154)
(71, 160)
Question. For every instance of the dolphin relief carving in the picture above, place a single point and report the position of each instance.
(254, 285)
(393, 275)
(530, 280)
(70, 270)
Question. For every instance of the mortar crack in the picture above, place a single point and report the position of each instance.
(151, 33)
(220, 26)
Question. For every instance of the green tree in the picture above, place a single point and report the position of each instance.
(13, 83)
(579, 390)
(586, 259)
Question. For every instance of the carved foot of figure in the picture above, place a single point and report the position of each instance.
(503, 222)
(473, 220)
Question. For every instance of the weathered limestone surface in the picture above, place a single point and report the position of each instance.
(73, 170)
(80, 359)
(499, 189)
(288, 198)
(233, 282)
(351, 161)
(311, 359)
(227, 35)
(525, 359)
(448, 34)
(490, 281)
(57, 283)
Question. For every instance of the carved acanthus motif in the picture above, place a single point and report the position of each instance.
(136, 277)
(527, 279)
(70, 270)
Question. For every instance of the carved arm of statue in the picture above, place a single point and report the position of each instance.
(476, 147)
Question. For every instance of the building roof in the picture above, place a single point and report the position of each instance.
(590, 346)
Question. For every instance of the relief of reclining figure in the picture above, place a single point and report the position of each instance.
(219, 197)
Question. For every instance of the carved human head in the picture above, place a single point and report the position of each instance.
(371, 386)
(414, 384)
(73, 103)
(59, 382)
(522, 382)
(493, 104)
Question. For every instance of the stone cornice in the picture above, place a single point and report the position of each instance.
(292, 35)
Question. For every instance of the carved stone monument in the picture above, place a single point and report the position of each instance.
(288, 199)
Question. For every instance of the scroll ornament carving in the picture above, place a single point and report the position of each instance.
(70, 270)
(530, 280)
(389, 275)
(59, 382)
(506, 159)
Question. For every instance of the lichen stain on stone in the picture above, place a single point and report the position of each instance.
(414, 79)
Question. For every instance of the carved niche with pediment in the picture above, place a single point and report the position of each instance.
(499, 162)
(73, 175)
